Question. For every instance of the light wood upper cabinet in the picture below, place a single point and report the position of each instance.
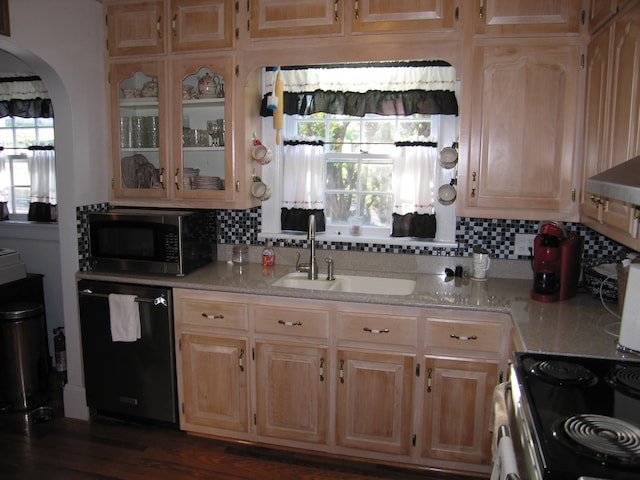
(597, 100)
(624, 121)
(178, 119)
(202, 156)
(136, 28)
(612, 121)
(600, 11)
(284, 18)
(139, 120)
(162, 26)
(198, 25)
(524, 107)
(524, 17)
(403, 15)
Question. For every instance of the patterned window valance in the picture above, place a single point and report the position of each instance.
(404, 88)
(24, 95)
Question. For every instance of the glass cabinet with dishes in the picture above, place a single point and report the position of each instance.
(139, 118)
(170, 138)
(201, 142)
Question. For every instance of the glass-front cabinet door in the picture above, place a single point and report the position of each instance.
(139, 166)
(202, 152)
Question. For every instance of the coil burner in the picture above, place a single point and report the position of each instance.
(558, 372)
(607, 439)
(625, 379)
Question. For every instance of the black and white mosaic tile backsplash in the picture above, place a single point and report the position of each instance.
(498, 236)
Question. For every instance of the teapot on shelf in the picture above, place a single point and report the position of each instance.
(149, 89)
(210, 86)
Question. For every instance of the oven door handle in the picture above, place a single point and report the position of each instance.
(161, 300)
(505, 466)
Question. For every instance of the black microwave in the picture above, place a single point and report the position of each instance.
(151, 241)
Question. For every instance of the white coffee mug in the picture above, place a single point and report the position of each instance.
(261, 154)
(481, 264)
(261, 190)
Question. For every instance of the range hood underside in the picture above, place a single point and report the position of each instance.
(621, 182)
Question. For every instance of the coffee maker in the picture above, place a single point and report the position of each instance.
(556, 263)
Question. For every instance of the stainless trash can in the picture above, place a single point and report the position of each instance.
(23, 355)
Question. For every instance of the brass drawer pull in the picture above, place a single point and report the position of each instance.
(212, 316)
(290, 324)
(458, 337)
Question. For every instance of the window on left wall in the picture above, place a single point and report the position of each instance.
(27, 168)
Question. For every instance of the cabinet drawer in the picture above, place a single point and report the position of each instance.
(211, 313)
(381, 329)
(292, 321)
(465, 335)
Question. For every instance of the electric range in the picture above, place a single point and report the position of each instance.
(576, 417)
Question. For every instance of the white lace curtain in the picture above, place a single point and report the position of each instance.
(413, 179)
(4, 178)
(42, 169)
(303, 185)
(43, 177)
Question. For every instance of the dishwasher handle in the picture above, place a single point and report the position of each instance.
(160, 300)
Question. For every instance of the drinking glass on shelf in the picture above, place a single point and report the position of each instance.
(216, 130)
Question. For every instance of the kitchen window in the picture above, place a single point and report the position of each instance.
(26, 176)
(358, 169)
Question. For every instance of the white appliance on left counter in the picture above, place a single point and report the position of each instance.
(11, 266)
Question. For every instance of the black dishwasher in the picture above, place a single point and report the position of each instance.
(129, 378)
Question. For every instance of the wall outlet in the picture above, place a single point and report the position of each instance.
(524, 244)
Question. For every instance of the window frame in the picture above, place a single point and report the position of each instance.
(19, 152)
(272, 174)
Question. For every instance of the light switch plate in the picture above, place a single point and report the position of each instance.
(524, 244)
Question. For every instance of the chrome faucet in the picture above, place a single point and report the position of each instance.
(311, 236)
(312, 267)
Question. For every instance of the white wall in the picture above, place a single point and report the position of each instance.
(62, 42)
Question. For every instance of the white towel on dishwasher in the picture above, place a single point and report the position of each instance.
(124, 316)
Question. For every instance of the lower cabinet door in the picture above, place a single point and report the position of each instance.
(457, 409)
(374, 398)
(214, 377)
(292, 391)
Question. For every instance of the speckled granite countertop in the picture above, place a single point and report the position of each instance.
(579, 326)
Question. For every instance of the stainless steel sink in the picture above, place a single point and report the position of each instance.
(349, 284)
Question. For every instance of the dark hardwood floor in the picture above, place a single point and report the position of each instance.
(68, 449)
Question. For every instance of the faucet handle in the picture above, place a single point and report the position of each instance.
(329, 262)
(301, 267)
